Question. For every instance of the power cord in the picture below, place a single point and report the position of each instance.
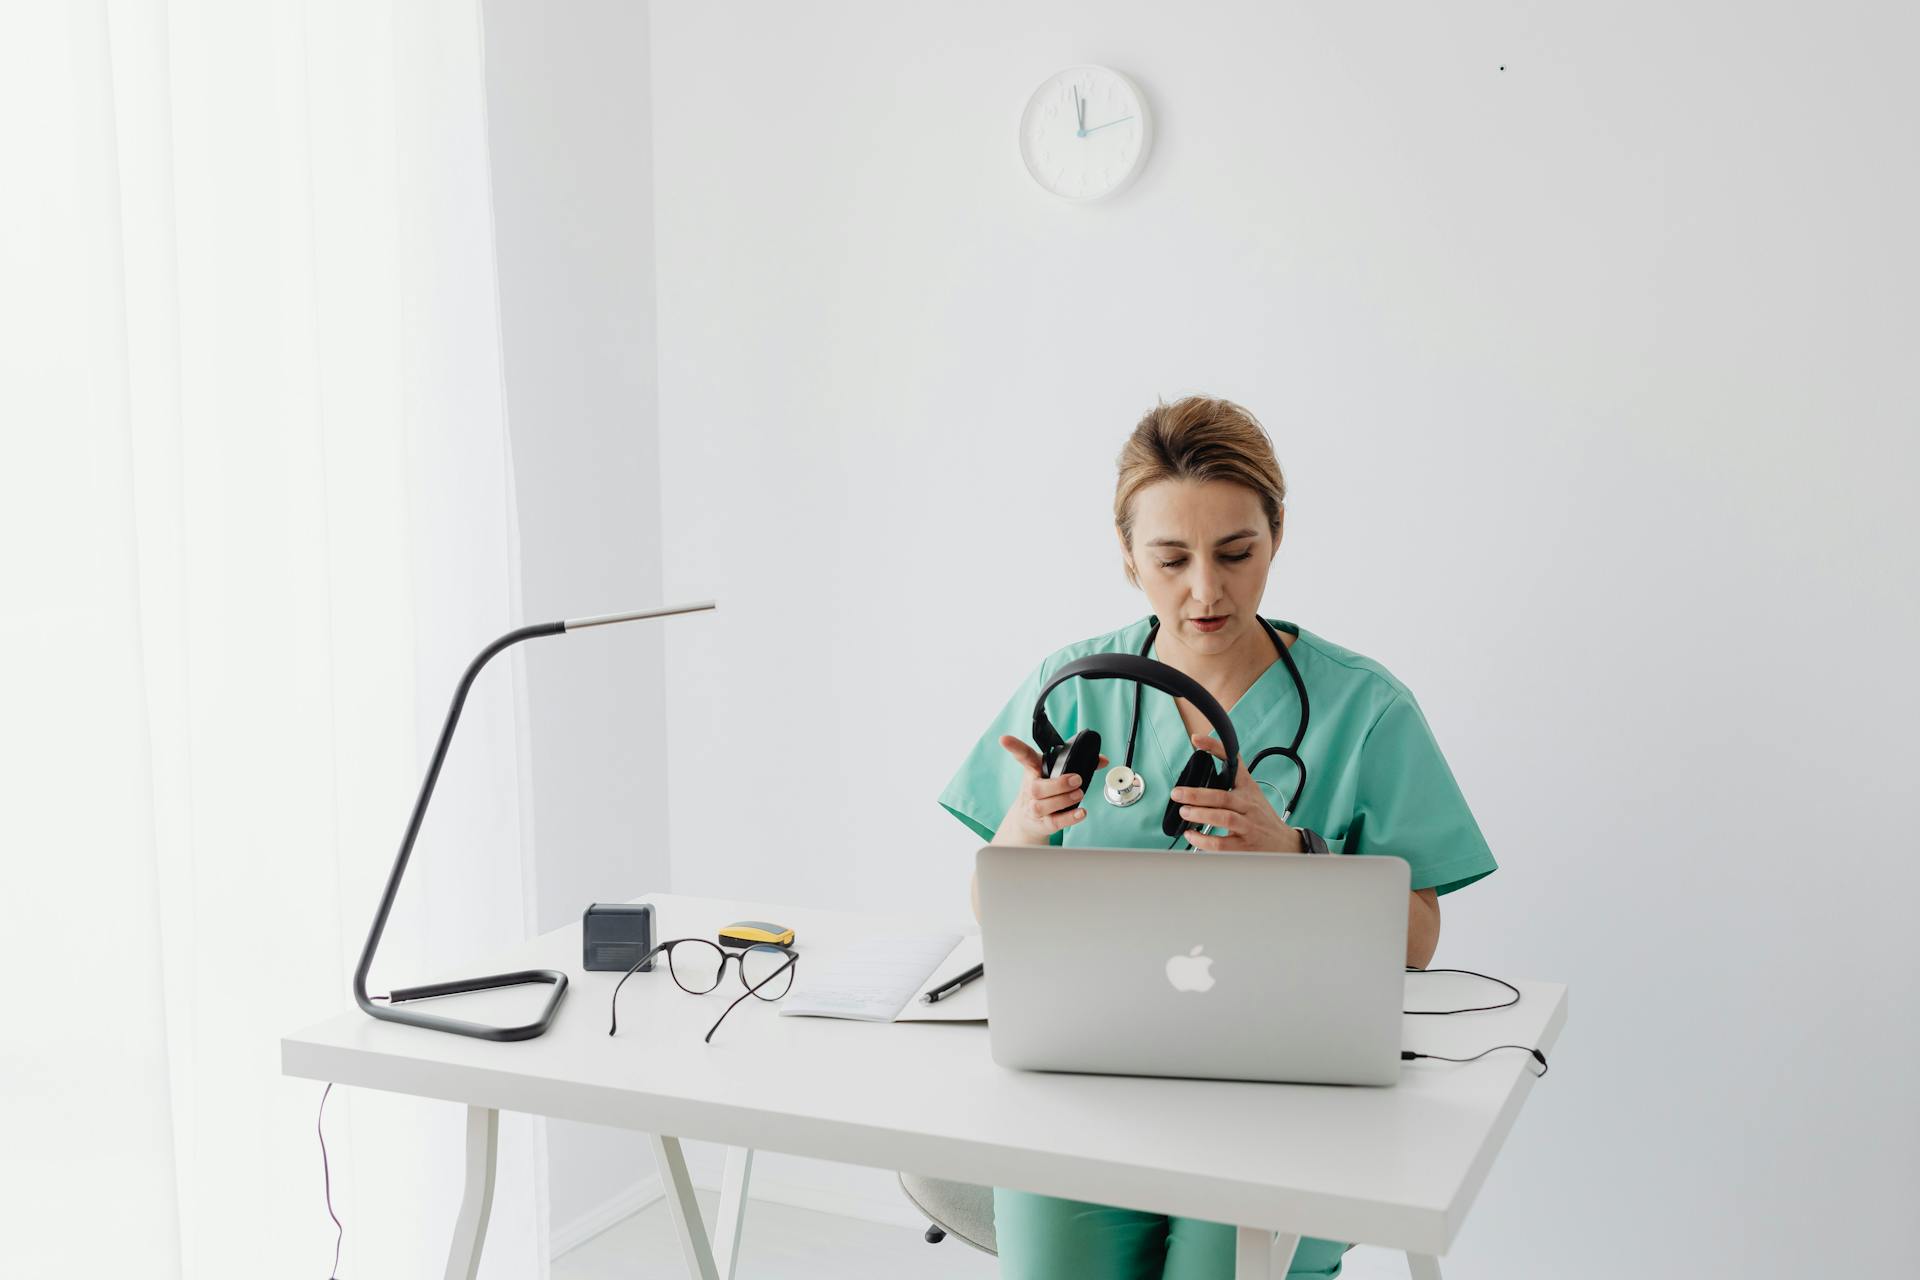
(1407, 1055)
(334, 1271)
(326, 1173)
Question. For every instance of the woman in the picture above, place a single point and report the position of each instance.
(1199, 509)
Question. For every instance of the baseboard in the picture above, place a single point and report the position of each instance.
(622, 1204)
(896, 1210)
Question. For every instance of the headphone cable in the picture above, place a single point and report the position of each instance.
(1407, 1055)
(1478, 1008)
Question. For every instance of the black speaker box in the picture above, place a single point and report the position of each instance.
(615, 934)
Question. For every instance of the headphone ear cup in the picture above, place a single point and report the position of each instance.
(1199, 772)
(1079, 754)
(1051, 757)
(1082, 757)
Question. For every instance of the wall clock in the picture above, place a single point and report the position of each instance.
(1085, 133)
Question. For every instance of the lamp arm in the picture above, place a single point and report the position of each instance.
(426, 795)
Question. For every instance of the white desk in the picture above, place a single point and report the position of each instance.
(1397, 1167)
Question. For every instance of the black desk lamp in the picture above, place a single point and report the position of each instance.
(459, 986)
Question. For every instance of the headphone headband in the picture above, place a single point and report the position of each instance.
(1155, 675)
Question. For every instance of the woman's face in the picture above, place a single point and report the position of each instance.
(1201, 551)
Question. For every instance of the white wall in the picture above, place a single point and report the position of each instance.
(569, 120)
(1592, 380)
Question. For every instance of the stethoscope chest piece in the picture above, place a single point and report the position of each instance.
(1124, 786)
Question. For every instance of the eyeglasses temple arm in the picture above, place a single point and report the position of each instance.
(613, 1005)
(792, 961)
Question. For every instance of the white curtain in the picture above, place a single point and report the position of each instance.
(256, 513)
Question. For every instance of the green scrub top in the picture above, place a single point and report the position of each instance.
(1376, 781)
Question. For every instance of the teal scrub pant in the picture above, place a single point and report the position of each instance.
(1047, 1238)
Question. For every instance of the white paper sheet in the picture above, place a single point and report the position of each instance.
(870, 980)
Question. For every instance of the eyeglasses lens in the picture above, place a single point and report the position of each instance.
(695, 965)
(760, 964)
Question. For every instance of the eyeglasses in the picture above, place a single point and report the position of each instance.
(697, 966)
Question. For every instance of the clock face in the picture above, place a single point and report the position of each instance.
(1085, 133)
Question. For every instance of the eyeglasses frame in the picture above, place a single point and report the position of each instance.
(720, 976)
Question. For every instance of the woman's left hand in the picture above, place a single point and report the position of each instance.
(1247, 821)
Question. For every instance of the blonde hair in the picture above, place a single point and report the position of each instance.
(1198, 438)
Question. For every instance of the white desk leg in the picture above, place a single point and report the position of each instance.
(733, 1210)
(1262, 1255)
(684, 1208)
(476, 1202)
(1424, 1266)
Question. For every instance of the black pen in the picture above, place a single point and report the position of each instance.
(953, 984)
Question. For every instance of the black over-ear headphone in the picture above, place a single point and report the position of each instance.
(1081, 755)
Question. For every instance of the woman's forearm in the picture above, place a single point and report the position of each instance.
(1423, 927)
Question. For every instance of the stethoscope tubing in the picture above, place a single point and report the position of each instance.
(1289, 752)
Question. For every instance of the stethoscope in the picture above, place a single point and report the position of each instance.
(1125, 786)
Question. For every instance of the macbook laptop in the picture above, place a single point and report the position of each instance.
(1229, 966)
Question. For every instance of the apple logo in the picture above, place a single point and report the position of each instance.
(1190, 972)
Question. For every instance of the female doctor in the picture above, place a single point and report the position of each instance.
(1199, 508)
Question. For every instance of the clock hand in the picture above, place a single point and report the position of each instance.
(1108, 125)
(1079, 114)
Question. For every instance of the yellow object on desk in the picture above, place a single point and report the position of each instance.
(744, 933)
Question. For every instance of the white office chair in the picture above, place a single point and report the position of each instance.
(966, 1211)
(959, 1209)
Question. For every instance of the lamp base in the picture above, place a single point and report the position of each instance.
(461, 986)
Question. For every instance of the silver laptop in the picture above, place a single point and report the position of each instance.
(1229, 966)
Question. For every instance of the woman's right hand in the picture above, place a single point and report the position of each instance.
(1044, 805)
